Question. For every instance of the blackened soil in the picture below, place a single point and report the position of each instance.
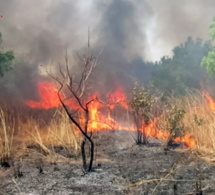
(120, 167)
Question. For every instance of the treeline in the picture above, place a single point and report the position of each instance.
(180, 73)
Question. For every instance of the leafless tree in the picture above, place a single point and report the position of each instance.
(75, 91)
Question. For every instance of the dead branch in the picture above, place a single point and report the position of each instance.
(76, 92)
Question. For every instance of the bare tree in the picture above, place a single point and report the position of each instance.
(75, 91)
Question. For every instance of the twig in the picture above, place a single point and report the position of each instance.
(152, 180)
(14, 181)
(162, 179)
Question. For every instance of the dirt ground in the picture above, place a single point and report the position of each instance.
(120, 167)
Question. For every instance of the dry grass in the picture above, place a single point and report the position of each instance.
(15, 132)
(199, 120)
(6, 135)
(62, 132)
(58, 133)
(37, 137)
(27, 135)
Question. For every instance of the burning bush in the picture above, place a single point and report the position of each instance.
(142, 103)
(174, 125)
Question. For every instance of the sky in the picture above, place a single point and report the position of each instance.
(158, 26)
(127, 33)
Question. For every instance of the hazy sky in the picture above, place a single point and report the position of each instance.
(161, 24)
(128, 32)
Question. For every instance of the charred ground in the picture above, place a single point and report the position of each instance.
(121, 167)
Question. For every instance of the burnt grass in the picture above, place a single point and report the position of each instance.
(118, 167)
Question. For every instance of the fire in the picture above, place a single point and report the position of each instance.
(117, 97)
(186, 139)
(97, 119)
(49, 97)
(210, 101)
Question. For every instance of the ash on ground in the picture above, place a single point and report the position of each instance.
(120, 167)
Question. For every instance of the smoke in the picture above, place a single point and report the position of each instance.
(128, 32)
(37, 33)
(122, 40)
(174, 21)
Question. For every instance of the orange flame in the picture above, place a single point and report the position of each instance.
(209, 100)
(97, 120)
(117, 97)
(49, 97)
(186, 139)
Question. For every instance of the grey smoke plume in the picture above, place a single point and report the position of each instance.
(122, 39)
(128, 32)
(174, 21)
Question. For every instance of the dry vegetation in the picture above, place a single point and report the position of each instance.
(199, 120)
(6, 136)
(36, 137)
(19, 135)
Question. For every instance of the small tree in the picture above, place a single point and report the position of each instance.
(6, 59)
(75, 93)
(142, 103)
(174, 125)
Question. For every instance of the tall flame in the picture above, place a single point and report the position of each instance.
(210, 101)
(97, 120)
(117, 97)
(48, 95)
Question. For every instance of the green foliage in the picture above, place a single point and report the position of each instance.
(0, 39)
(197, 120)
(142, 103)
(209, 60)
(212, 29)
(6, 60)
(183, 71)
(142, 98)
(174, 118)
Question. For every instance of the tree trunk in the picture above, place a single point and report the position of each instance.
(141, 137)
(83, 154)
(91, 155)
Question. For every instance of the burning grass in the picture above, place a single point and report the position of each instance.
(43, 135)
(53, 132)
(200, 120)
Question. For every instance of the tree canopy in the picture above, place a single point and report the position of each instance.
(183, 71)
(6, 60)
(209, 60)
